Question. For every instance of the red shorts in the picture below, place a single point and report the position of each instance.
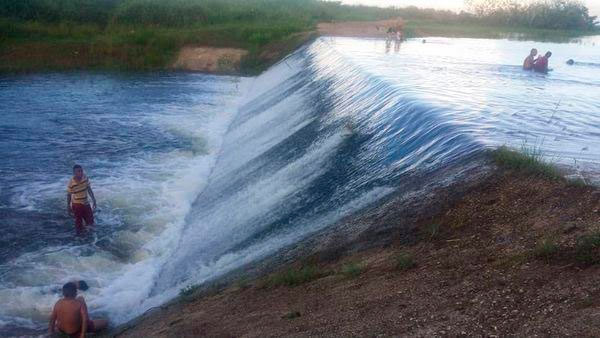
(82, 212)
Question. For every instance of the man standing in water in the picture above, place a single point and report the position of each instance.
(529, 60)
(70, 315)
(77, 199)
(541, 64)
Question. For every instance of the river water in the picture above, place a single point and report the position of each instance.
(196, 175)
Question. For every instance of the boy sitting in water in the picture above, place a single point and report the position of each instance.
(70, 315)
(529, 60)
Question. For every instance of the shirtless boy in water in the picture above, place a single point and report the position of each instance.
(529, 60)
(70, 315)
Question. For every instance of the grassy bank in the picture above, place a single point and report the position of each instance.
(30, 46)
(423, 28)
(516, 255)
(34, 46)
(147, 34)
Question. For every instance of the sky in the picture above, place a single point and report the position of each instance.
(593, 5)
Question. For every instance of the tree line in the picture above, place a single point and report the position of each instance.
(549, 14)
(185, 12)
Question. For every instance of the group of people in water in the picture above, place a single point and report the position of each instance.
(393, 34)
(70, 315)
(540, 64)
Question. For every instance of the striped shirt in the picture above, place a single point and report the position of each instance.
(79, 190)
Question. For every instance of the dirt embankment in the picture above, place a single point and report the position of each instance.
(209, 59)
(511, 254)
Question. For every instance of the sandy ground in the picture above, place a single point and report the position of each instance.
(209, 59)
(478, 272)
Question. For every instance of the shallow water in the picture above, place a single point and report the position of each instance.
(197, 175)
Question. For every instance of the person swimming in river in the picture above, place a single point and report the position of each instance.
(70, 315)
(78, 206)
(79, 284)
(529, 60)
(541, 64)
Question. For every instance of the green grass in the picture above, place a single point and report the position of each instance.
(577, 183)
(528, 161)
(404, 261)
(242, 283)
(546, 249)
(295, 276)
(351, 270)
(512, 260)
(192, 292)
(130, 47)
(291, 315)
(433, 230)
(423, 28)
(587, 249)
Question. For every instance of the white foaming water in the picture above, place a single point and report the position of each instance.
(232, 260)
(151, 194)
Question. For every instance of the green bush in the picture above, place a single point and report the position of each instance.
(295, 276)
(577, 183)
(351, 270)
(587, 248)
(433, 230)
(546, 248)
(405, 261)
(528, 160)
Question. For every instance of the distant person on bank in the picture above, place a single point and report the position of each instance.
(70, 315)
(530, 60)
(541, 64)
(78, 189)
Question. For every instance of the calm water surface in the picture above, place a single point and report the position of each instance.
(480, 84)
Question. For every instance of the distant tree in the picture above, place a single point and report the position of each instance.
(552, 14)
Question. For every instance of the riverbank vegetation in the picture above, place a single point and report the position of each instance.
(556, 14)
(147, 34)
